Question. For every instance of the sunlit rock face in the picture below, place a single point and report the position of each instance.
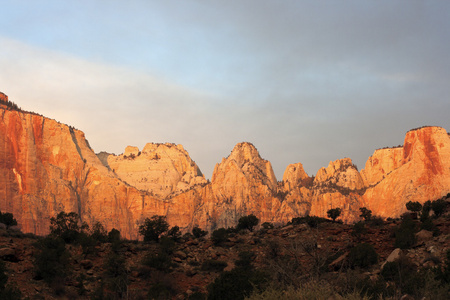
(163, 170)
(244, 183)
(47, 167)
(419, 171)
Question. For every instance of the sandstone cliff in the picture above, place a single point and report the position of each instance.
(419, 171)
(47, 167)
(163, 170)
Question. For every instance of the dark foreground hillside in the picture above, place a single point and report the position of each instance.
(310, 258)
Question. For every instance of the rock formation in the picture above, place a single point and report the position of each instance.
(47, 167)
(163, 170)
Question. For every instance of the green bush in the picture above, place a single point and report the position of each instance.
(414, 206)
(239, 282)
(362, 256)
(236, 284)
(405, 236)
(219, 236)
(174, 233)
(198, 232)
(247, 222)
(98, 233)
(162, 289)
(167, 245)
(212, 265)
(153, 228)
(66, 226)
(439, 206)
(366, 214)
(334, 213)
(403, 273)
(116, 275)
(51, 260)
(311, 221)
(113, 236)
(160, 261)
(359, 229)
(7, 219)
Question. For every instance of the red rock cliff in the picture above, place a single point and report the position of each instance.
(47, 167)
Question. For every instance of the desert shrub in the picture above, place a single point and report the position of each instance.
(311, 221)
(439, 206)
(245, 260)
(66, 226)
(426, 208)
(116, 275)
(405, 234)
(174, 233)
(376, 221)
(198, 232)
(7, 219)
(429, 225)
(239, 282)
(219, 236)
(366, 214)
(87, 243)
(334, 213)
(212, 265)
(403, 273)
(236, 284)
(51, 262)
(160, 261)
(166, 245)
(113, 236)
(359, 230)
(153, 228)
(415, 207)
(98, 233)
(362, 256)
(247, 222)
(162, 287)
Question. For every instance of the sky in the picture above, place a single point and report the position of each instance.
(304, 81)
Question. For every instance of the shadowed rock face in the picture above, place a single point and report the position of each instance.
(47, 167)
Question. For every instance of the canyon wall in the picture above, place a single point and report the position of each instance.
(47, 167)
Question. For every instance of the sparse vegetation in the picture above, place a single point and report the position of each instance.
(362, 256)
(219, 236)
(334, 213)
(247, 222)
(7, 219)
(198, 232)
(153, 228)
(405, 234)
(366, 214)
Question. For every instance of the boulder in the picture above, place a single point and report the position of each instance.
(395, 255)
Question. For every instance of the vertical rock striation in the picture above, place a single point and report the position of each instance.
(47, 167)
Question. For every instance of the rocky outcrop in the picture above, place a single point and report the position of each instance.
(419, 171)
(47, 167)
(3, 97)
(163, 170)
(244, 183)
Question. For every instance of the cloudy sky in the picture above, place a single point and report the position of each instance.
(304, 81)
